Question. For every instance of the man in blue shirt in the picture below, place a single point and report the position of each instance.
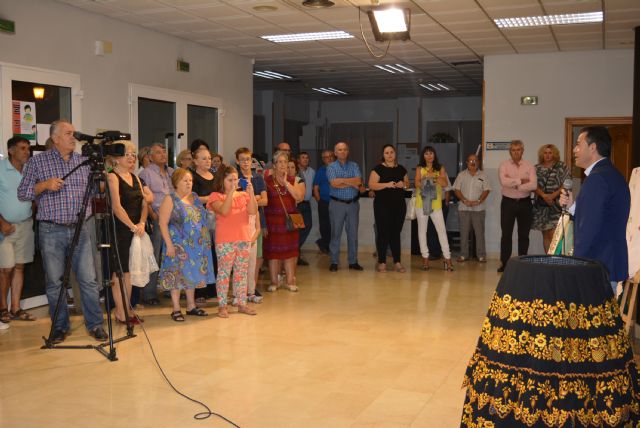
(321, 189)
(344, 209)
(308, 174)
(16, 227)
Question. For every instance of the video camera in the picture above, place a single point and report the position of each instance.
(96, 151)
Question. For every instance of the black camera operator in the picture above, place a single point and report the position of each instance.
(59, 196)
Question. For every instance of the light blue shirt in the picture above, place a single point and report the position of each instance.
(308, 175)
(338, 170)
(12, 209)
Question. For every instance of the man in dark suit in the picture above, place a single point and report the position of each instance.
(601, 209)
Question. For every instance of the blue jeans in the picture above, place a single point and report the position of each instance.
(305, 209)
(55, 242)
(347, 216)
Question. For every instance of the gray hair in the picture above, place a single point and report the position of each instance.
(55, 125)
(279, 153)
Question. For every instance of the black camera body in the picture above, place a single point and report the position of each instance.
(96, 151)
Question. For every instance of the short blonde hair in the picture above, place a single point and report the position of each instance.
(183, 154)
(554, 151)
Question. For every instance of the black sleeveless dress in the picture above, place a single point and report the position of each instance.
(131, 199)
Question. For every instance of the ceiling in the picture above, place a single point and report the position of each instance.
(444, 33)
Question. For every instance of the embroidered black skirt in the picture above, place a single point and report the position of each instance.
(552, 351)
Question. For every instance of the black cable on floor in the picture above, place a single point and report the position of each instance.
(198, 416)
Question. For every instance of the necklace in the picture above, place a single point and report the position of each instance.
(278, 187)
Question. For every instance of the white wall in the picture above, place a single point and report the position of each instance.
(55, 36)
(571, 84)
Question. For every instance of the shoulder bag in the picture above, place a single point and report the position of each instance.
(293, 221)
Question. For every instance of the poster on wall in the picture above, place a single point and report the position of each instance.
(24, 119)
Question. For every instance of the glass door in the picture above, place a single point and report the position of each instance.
(174, 118)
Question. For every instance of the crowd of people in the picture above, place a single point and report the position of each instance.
(212, 224)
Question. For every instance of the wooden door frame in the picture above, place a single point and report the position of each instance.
(570, 122)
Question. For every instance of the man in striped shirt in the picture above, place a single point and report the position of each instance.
(59, 202)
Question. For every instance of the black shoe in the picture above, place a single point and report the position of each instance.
(333, 267)
(302, 262)
(501, 269)
(58, 336)
(99, 334)
(355, 266)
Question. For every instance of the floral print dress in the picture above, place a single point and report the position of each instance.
(192, 265)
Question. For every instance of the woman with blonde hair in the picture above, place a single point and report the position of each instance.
(130, 211)
(184, 159)
(551, 173)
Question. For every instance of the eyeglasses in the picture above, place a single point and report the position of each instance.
(244, 160)
(130, 155)
(472, 162)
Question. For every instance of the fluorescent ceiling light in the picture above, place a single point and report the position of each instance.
(305, 37)
(271, 75)
(390, 23)
(436, 87)
(535, 21)
(394, 68)
(330, 91)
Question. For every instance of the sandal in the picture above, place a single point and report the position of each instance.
(293, 288)
(177, 316)
(22, 315)
(382, 267)
(272, 288)
(5, 316)
(201, 300)
(222, 312)
(425, 263)
(197, 312)
(400, 268)
(247, 310)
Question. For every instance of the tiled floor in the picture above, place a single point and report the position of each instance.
(351, 349)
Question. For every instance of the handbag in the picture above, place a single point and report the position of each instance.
(411, 208)
(292, 221)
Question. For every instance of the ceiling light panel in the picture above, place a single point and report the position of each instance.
(273, 75)
(542, 20)
(305, 37)
(330, 91)
(394, 68)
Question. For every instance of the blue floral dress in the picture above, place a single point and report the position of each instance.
(192, 265)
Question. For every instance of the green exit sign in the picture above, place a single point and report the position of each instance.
(183, 66)
(7, 26)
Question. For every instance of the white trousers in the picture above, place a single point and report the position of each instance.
(438, 222)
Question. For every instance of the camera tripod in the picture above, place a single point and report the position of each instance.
(105, 240)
